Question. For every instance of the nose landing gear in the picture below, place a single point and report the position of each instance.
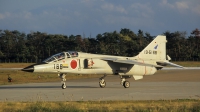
(62, 76)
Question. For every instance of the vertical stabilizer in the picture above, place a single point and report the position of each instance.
(156, 50)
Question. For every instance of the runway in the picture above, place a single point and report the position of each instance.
(164, 85)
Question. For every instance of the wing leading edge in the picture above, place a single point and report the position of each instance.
(128, 61)
(134, 62)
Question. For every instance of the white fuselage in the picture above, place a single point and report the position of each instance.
(93, 64)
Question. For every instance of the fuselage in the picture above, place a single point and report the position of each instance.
(85, 63)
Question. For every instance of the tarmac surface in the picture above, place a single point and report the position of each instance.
(164, 85)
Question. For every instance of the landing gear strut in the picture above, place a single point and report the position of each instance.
(62, 76)
(102, 82)
(125, 83)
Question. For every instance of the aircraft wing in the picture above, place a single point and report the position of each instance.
(169, 63)
(127, 61)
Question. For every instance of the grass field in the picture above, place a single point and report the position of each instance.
(188, 63)
(14, 65)
(103, 106)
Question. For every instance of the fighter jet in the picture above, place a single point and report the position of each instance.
(147, 62)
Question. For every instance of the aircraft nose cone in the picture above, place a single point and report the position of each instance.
(28, 69)
(31, 69)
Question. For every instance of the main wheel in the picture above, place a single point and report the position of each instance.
(64, 86)
(126, 84)
(102, 84)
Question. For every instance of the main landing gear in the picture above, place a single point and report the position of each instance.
(102, 82)
(126, 84)
(62, 76)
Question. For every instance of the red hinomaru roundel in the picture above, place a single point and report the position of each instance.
(73, 64)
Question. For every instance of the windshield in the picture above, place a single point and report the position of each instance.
(56, 57)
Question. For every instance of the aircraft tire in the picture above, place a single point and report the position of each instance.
(102, 84)
(64, 86)
(126, 84)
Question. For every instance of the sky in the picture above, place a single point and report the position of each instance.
(91, 17)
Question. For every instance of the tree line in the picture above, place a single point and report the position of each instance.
(17, 46)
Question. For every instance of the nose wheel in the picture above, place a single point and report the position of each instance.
(64, 86)
(62, 76)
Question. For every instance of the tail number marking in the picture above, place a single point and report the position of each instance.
(150, 52)
(58, 66)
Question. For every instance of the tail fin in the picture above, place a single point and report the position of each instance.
(155, 50)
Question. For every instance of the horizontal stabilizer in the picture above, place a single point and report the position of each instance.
(164, 63)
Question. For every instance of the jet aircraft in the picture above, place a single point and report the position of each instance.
(147, 62)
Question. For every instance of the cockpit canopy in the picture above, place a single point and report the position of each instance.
(61, 56)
